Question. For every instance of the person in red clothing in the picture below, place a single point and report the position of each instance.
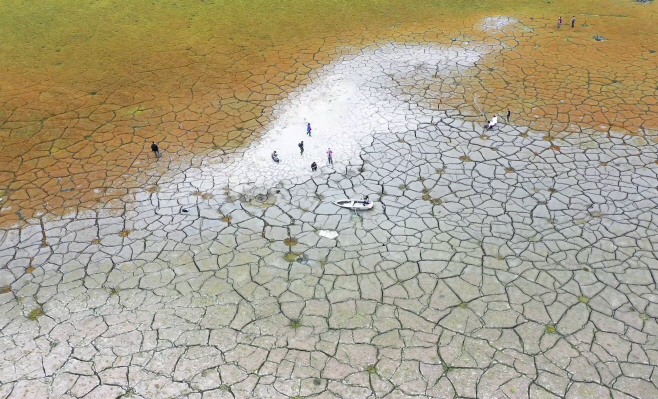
(559, 22)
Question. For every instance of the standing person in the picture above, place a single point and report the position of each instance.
(308, 129)
(573, 21)
(330, 159)
(301, 148)
(559, 22)
(155, 149)
(314, 167)
(509, 113)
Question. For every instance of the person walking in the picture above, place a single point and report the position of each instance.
(330, 157)
(301, 148)
(155, 149)
(314, 167)
(573, 21)
(509, 113)
(308, 129)
(559, 22)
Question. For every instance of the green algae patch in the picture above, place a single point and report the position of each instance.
(291, 256)
(35, 314)
(290, 241)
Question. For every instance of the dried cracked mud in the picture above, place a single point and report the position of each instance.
(511, 263)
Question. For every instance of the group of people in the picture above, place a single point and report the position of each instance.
(573, 22)
(314, 165)
(490, 125)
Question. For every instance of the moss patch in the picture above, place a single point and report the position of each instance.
(290, 241)
(291, 256)
(35, 314)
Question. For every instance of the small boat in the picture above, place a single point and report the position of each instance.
(357, 205)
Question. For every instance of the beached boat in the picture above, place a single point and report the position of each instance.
(357, 205)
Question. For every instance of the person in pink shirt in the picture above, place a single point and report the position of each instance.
(559, 22)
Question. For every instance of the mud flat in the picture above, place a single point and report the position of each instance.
(516, 262)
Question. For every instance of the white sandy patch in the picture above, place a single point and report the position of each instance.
(350, 101)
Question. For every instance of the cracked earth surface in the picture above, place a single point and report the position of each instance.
(518, 262)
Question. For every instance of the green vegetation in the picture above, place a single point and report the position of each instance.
(291, 256)
(94, 34)
(35, 314)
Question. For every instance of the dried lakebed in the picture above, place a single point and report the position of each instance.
(506, 263)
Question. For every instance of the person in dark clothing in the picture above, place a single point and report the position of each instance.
(308, 129)
(301, 148)
(314, 167)
(275, 157)
(155, 149)
(509, 113)
(573, 21)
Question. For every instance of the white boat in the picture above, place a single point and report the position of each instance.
(357, 205)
